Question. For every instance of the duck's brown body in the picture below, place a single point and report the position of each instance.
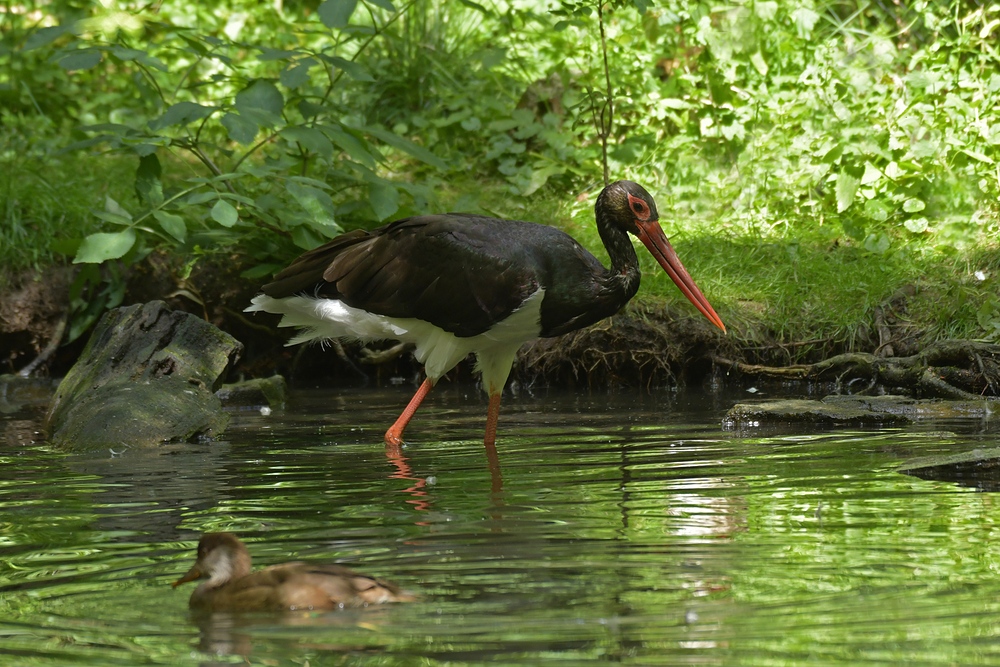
(224, 562)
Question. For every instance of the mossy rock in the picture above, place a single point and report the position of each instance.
(147, 375)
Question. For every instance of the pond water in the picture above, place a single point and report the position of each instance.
(630, 528)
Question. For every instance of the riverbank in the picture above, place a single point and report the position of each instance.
(655, 341)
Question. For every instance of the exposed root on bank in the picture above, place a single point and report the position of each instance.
(638, 347)
(959, 369)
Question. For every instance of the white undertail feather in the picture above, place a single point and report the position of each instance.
(438, 350)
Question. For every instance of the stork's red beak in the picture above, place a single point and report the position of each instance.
(652, 236)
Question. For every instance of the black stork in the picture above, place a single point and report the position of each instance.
(457, 283)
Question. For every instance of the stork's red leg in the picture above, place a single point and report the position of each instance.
(492, 417)
(394, 436)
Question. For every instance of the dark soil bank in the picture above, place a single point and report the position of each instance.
(648, 344)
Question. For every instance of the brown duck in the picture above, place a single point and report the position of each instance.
(224, 563)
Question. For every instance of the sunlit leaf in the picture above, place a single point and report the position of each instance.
(877, 210)
(804, 19)
(172, 224)
(336, 13)
(913, 205)
(872, 174)
(101, 247)
(224, 213)
(877, 243)
(847, 186)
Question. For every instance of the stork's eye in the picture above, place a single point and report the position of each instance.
(639, 207)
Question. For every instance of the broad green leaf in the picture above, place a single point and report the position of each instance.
(475, 5)
(44, 36)
(913, 205)
(101, 247)
(406, 146)
(978, 156)
(877, 243)
(311, 138)
(148, 187)
(847, 187)
(224, 213)
(268, 54)
(317, 204)
(872, 174)
(80, 59)
(765, 9)
(196, 198)
(355, 148)
(296, 75)
(113, 208)
(261, 271)
(804, 19)
(336, 13)
(304, 237)
(181, 113)
(352, 69)
(384, 199)
(674, 103)
(239, 128)
(758, 62)
(172, 224)
(917, 225)
(261, 95)
(126, 54)
(877, 210)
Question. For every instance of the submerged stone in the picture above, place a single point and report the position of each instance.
(838, 410)
(255, 393)
(979, 468)
(802, 411)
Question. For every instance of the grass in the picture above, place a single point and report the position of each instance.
(47, 201)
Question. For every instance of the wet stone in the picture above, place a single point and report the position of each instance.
(852, 411)
(270, 392)
(979, 468)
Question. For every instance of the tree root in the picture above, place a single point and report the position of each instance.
(957, 369)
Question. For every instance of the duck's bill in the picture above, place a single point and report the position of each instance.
(192, 574)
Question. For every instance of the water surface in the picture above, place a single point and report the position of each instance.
(630, 528)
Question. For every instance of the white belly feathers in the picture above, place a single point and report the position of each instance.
(438, 350)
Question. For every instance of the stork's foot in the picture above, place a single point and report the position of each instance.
(382, 356)
(393, 438)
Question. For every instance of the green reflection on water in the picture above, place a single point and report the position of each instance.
(629, 529)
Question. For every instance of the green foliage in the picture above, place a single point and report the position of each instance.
(855, 132)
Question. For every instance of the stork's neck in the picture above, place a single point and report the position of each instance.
(623, 279)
